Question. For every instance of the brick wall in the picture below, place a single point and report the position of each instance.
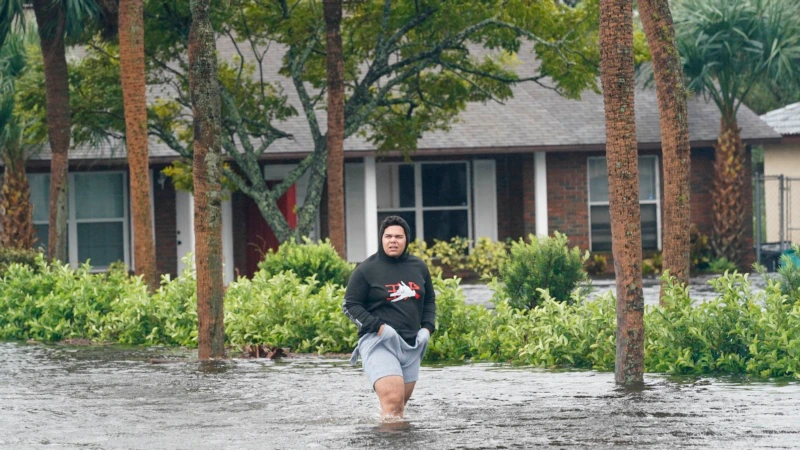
(165, 227)
(567, 199)
(567, 196)
(701, 183)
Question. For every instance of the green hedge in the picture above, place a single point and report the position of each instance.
(757, 334)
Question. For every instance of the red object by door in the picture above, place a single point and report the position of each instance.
(260, 237)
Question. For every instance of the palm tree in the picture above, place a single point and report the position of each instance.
(207, 174)
(335, 134)
(134, 97)
(16, 211)
(617, 78)
(658, 27)
(728, 47)
(55, 19)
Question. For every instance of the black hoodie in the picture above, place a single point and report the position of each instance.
(391, 290)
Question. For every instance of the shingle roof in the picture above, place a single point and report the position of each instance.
(785, 120)
(535, 118)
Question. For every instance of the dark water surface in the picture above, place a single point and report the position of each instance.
(55, 396)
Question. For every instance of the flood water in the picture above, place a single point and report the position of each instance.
(57, 396)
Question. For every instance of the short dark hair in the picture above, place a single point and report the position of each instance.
(396, 220)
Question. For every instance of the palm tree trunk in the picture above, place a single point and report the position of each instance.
(16, 211)
(671, 92)
(335, 135)
(134, 96)
(207, 175)
(728, 197)
(51, 21)
(616, 74)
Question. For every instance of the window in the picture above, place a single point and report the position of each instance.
(432, 197)
(97, 216)
(649, 201)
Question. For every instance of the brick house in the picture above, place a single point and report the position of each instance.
(534, 164)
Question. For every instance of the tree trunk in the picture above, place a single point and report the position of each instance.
(335, 135)
(16, 212)
(727, 195)
(675, 150)
(616, 74)
(51, 21)
(207, 175)
(131, 62)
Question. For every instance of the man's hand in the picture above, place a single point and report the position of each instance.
(423, 335)
(380, 330)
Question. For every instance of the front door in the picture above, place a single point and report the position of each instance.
(260, 237)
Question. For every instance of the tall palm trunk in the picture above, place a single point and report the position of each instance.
(134, 96)
(207, 175)
(51, 21)
(727, 197)
(16, 211)
(616, 74)
(335, 136)
(671, 92)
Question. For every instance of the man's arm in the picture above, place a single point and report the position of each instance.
(355, 297)
(429, 307)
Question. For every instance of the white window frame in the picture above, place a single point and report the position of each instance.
(418, 209)
(73, 221)
(657, 201)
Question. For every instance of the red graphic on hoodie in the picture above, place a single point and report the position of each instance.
(402, 291)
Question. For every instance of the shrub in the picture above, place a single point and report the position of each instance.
(308, 259)
(701, 252)
(542, 264)
(420, 249)
(652, 265)
(9, 256)
(487, 257)
(596, 264)
(286, 311)
(788, 277)
(721, 265)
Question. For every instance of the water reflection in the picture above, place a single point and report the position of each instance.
(116, 397)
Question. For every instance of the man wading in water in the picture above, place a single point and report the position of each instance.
(390, 298)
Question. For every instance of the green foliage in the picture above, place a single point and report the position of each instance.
(484, 259)
(309, 259)
(739, 332)
(287, 311)
(701, 253)
(789, 275)
(652, 265)
(542, 264)
(721, 265)
(596, 264)
(488, 257)
(730, 47)
(409, 70)
(10, 256)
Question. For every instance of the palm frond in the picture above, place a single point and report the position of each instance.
(11, 13)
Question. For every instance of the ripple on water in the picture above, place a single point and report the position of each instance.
(113, 397)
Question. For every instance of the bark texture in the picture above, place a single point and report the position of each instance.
(616, 74)
(676, 152)
(51, 21)
(16, 211)
(207, 172)
(134, 96)
(335, 135)
(727, 198)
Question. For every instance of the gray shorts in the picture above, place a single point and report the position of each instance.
(389, 354)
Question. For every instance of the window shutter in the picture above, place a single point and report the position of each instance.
(485, 195)
(354, 211)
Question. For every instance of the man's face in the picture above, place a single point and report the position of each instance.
(394, 240)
